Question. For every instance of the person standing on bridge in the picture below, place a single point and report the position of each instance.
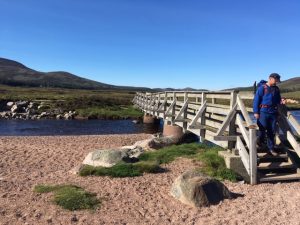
(265, 108)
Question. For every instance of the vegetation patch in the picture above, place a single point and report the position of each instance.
(70, 197)
(213, 164)
(113, 112)
(122, 169)
(169, 154)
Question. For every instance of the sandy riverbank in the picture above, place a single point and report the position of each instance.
(27, 161)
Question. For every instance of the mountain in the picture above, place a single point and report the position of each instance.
(292, 84)
(16, 74)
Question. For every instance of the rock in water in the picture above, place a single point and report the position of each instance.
(196, 189)
(105, 158)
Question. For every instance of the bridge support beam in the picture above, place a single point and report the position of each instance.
(172, 130)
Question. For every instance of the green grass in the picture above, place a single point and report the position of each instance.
(70, 197)
(121, 170)
(97, 104)
(169, 154)
(213, 164)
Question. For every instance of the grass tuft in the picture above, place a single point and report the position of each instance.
(169, 154)
(70, 197)
(214, 165)
(121, 170)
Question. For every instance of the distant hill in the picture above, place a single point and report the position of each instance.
(177, 89)
(289, 85)
(16, 74)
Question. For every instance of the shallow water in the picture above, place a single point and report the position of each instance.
(73, 127)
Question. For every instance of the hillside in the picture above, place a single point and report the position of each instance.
(13, 73)
(289, 85)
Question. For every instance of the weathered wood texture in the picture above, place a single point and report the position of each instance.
(220, 117)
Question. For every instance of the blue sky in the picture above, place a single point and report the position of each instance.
(212, 44)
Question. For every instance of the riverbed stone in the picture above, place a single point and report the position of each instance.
(10, 104)
(197, 190)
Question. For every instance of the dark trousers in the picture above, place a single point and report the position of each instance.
(267, 123)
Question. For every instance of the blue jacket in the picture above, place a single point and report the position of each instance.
(266, 100)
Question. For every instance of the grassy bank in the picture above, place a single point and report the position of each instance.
(114, 112)
(95, 104)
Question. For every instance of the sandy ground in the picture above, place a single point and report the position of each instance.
(27, 161)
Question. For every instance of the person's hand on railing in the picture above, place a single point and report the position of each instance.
(256, 115)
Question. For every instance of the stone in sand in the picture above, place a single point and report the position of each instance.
(105, 158)
(161, 142)
(196, 189)
(133, 151)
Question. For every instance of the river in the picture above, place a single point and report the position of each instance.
(73, 127)
(79, 127)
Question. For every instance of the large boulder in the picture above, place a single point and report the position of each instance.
(196, 189)
(105, 158)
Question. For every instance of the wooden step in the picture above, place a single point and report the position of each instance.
(279, 177)
(275, 165)
(264, 157)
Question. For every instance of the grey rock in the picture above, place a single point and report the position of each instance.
(105, 158)
(32, 105)
(59, 117)
(22, 103)
(44, 114)
(15, 108)
(196, 189)
(161, 142)
(133, 151)
(68, 116)
(10, 104)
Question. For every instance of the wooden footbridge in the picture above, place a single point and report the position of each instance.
(224, 119)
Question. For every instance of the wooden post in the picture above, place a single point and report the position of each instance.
(185, 113)
(232, 127)
(202, 131)
(158, 104)
(253, 155)
(173, 109)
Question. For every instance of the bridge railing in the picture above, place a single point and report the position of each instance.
(220, 117)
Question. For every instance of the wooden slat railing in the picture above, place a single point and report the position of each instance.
(220, 117)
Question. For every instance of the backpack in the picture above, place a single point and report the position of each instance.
(262, 83)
